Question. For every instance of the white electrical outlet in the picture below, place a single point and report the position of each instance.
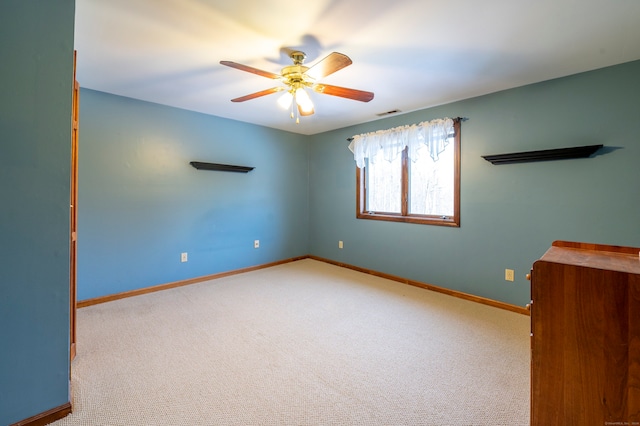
(256, 244)
(508, 275)
(340, 244)
(184, 257)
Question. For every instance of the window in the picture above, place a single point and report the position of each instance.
(405, 175)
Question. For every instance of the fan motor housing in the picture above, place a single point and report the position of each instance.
(294, 73)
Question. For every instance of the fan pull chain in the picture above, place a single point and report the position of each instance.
(293, 107)
(293, 101)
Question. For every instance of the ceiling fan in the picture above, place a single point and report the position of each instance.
(298, 77)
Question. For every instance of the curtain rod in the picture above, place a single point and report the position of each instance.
(454, 119)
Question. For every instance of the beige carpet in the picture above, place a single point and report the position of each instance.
(304, 343)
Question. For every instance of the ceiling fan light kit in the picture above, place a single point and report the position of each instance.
(285, 100)
(303, 100)
(297, 77)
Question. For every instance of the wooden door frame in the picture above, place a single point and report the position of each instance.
(73, 215)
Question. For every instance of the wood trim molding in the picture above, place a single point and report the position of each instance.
(483, 300)
(46, 417)
(152, 289)
(478, 299)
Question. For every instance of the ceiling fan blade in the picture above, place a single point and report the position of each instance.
(258, 94)
(331, 63)
(251, 69)
(343, 92)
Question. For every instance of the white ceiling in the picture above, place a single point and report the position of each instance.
(412, 54)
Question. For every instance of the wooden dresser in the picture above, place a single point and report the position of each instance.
(585, 336)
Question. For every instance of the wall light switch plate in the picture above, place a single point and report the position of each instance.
(256, 244)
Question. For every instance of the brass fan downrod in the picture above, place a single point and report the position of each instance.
(298, 57)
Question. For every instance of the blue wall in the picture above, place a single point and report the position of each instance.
(141, 204)
(510, 214)
(36, 47)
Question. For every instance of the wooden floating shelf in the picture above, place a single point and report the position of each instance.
(543, 155)
(220, 167)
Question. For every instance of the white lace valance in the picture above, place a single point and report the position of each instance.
(433, 135)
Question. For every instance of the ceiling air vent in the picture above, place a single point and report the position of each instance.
(393, 111)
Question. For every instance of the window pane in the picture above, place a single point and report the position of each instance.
(431, 184)
(384, 186)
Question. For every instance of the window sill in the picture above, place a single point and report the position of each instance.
(422, 220)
